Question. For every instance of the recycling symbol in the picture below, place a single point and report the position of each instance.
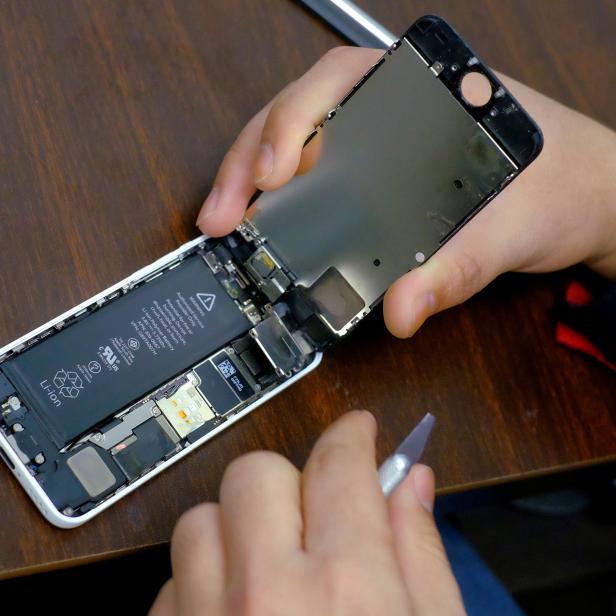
(68, 383)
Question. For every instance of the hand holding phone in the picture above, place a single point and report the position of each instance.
(561, 211)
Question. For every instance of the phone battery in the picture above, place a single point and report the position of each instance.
(122, 351)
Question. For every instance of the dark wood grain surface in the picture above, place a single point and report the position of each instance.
(113, 118)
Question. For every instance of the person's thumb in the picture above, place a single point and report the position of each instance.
(456, 272)
(425, 568)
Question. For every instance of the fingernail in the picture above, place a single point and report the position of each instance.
(425, 304)
(371, 419)
(264, 163)
(209, 205)
(423, 484)
(421, 308)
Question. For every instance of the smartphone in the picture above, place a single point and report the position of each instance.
(109, 394)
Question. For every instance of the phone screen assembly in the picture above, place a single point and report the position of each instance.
(107, 395)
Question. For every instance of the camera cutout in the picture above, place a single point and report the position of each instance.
(476, 89)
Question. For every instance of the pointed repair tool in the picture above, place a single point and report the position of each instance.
(393, 471)
(353, 23)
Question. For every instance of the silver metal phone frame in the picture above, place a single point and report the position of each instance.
(32, 487)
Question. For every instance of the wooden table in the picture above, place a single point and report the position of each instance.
(113, 118)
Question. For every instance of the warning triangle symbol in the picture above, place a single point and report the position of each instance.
(207, 300)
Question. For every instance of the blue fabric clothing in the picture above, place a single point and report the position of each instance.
(483, 593)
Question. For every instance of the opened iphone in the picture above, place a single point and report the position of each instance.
(110, 393)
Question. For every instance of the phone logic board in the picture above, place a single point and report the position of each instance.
(82, 403)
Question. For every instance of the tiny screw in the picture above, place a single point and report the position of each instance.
(39, 458)
(68, 511)
(14, 402)
(18, 427)
(97, 437)
(437, 67)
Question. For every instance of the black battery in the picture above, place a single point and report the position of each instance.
(115, 355)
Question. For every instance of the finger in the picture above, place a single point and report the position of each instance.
(164, 604)
(311, 153)
(261, 509)
(301, 106)
(422, 558)
(198, 561)
(344, 509)
(482, 250)
(234, 184)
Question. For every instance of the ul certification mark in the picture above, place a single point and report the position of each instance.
(94, 367)
(68, 384)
